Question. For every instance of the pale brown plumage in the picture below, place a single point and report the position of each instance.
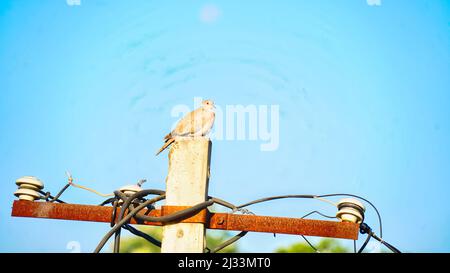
(195, 124)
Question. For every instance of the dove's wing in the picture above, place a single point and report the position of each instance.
(190, 124)
(196, 123)
(207, 122)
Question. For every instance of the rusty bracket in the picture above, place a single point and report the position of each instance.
(200, 217)
(284, 225)
(222, 221)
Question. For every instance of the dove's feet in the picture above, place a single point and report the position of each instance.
(190, 137)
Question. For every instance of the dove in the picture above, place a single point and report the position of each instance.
(197, 123)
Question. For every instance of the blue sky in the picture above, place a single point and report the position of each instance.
(363, 92)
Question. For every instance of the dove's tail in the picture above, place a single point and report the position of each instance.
(168, 142)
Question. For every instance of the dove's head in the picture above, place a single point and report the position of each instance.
(208, 105)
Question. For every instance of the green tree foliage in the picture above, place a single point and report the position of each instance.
(324, 246)
(135, 244)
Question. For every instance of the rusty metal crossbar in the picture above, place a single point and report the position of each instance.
(213, 220)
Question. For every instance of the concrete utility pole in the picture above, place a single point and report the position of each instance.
(187, 185)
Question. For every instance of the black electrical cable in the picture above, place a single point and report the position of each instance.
(163, 219)
(321, 214)
(138, 232)
(175, 216)
(223, 203)
(364, 228)
(232, 239)
(229, 241)
(112, 223)
(60, 193)
(142, 234)
(145, 192)
(365, 243)
(48, 195)
(127, 200)
(125, 205)
(391, 247)
(114, 213)
(274, 198)
(161, 192)
(311, 245)
(388, 245)
(118, 195)
(138, 195)
(108, 201)
(124, 221)
(116, 246)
